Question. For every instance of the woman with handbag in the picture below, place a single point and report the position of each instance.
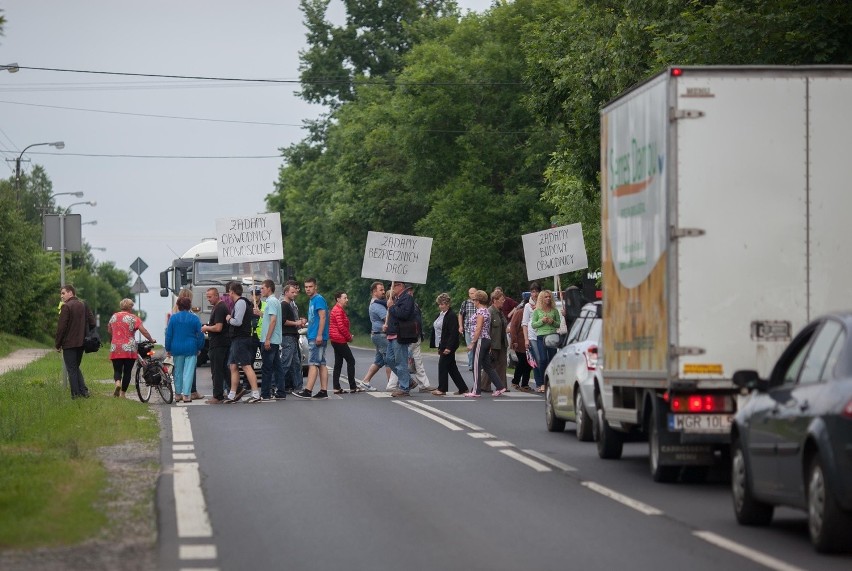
(445, 338)
(545, 321)
(480, 323)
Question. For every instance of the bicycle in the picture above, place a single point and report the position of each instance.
(152, 373)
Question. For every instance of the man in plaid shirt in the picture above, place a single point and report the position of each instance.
(465, 311)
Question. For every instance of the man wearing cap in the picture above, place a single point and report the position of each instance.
(400, 308)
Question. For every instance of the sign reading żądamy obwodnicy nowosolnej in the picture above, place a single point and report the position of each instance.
(396, 257)
(254, 238)
(555, 251)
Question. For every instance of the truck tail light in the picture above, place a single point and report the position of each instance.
(591, 355)
(701, 403)
(847, 410)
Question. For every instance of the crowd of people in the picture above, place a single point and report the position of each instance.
(490, 325)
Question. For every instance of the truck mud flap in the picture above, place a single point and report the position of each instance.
(677, 454)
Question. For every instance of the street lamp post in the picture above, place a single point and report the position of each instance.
(57, 144)
(62, 215)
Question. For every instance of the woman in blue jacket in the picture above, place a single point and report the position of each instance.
(184, 340)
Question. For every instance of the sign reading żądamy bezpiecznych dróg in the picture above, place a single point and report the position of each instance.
(396, 257)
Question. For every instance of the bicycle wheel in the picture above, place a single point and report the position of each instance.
(143, 389)
(165, 389)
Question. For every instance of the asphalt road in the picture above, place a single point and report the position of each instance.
(365, 481)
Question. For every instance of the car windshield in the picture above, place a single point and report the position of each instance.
(209, 271)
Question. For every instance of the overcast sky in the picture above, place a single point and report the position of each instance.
(154, 208)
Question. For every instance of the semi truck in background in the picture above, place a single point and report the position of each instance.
(199, 269)
(725, 204)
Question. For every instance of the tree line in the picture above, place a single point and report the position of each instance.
(474, 129)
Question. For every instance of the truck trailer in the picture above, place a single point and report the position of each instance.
(725, 207)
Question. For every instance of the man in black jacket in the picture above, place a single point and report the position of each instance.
(400, 308)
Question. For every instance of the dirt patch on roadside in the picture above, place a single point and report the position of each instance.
(129, 540)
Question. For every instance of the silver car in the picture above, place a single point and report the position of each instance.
(572, 374)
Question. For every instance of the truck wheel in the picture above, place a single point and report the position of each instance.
(748, 510)
(583, 420)
(554, 424)
(829, 526)
(664, 474)
(610, 442)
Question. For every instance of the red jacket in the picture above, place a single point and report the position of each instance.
(338, 326)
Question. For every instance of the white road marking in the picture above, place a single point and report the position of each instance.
(430, 416)
(181, 430)
(183, 456)
(379, 394)
(480, 435)
(498, 443)
(197, 552)
(537, 466)
(447, 415)
(551, 461)
(183, 447)
(747, 552)
(192, 519)
(621, 498)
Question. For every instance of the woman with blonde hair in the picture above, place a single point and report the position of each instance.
(545, 320)
(122, 327)
(480, 344)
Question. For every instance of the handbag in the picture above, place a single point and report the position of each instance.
(92, 339)
(408, 332)
(531, 359)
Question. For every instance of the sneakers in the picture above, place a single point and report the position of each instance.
(399, 393)
(498, 392)
(366, 386)
(267, 399)
(320, 395)
(303, 394)
(240, 393)
(472, 395)
(252, 400)
(425, 389)
(282, 396)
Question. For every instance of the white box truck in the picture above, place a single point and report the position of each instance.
(726, 211)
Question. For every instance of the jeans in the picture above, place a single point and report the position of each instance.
(538, 372)
(545, 354)
(184, 373)
(380, 340)
(397, 359)
(72, 358)
(291, 361)
(271, 371)
(219, 370)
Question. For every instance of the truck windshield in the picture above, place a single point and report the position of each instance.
(209, 271)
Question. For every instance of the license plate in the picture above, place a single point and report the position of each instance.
(700, 422)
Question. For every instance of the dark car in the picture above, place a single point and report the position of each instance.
(792, 438)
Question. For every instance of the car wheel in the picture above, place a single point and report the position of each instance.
(582, 418)
(663, 474)
(748, 510)
(828, 524)
(554, 424)
(610, 442)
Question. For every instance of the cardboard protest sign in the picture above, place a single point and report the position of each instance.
(396, 257)
(555, 251)
(255, 238)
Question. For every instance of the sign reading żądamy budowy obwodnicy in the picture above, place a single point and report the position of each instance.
(253, 238)
(555, 251)
(396, 257)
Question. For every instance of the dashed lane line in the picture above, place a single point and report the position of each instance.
(555, 463)
(747, 552)
(621, 498)
(515, 455)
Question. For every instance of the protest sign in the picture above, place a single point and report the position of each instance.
(255, 238)
(555, 251)
(396, 257)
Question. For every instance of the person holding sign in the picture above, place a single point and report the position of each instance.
(400, 309)
(378, 311)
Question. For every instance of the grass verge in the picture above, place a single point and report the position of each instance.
(52, 484)
(11, 343)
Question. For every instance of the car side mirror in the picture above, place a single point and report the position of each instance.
(750, 380)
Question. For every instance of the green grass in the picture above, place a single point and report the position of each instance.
(51, 479)
(11, 343)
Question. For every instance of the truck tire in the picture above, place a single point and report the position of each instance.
(583, 420)
(610, 442)
(554, 424)
(747, 509)
(829, 526)
(663, 474)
